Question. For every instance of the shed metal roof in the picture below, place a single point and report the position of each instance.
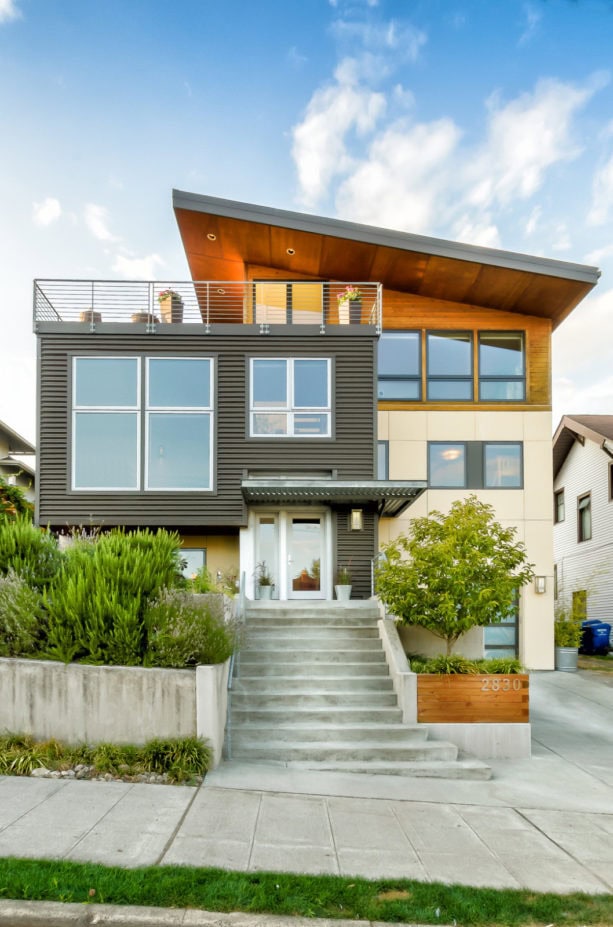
(392, 497)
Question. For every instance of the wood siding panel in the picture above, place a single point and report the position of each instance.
(350, 452)
(472, 699)
(356, 549)
(407, 311)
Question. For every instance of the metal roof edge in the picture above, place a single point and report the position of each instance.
(406, 241)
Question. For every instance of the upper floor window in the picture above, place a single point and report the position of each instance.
(290, 397)
(110, 423)
(475, 465)
(584, 517)
(399, 365)
(450, 366)
(502, 376)
(559, 513)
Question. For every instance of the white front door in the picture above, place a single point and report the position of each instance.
(305, 555)
(295, 546)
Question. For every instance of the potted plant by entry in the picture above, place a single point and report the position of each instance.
(342, 586)
(567, 637)
(350, 306)
(171, 306)
(264, 581)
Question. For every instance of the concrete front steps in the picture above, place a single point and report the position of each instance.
(314, 692)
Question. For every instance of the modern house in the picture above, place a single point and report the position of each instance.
(583, 514)
(14, 471)
(271, 418)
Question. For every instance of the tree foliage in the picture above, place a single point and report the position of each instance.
(450, 573)
(13, 502)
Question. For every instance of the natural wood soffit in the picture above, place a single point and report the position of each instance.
(221, 238)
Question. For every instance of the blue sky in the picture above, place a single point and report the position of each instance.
(479, 121)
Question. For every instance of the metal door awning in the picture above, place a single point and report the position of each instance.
(391, 497)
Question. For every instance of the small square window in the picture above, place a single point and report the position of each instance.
(447, 465)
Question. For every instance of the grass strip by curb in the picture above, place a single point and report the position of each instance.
(390, 900)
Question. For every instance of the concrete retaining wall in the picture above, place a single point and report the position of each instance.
(74, 702)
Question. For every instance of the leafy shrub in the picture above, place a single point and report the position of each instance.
(183, 631)
(20, 616)
(27, 550)
(201, 582)
(13, 502)
(179, 758)
(97, 602)
(457, 664)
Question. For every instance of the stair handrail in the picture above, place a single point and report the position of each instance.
(234, 669)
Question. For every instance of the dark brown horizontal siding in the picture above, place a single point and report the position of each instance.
(356, 549)
(350, 451)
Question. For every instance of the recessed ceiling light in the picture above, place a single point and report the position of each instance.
(221, 292)
(211, 236)
(291, 251)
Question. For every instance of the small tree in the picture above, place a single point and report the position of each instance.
(453, 572)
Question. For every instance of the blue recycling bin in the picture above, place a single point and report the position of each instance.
(595, 636)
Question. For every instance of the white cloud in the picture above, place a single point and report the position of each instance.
(533, 18)
(477, 232)
(137, 268)
(47, 211)
(602, 194)
(399, 182)
(595, 257)
(319, 142)
(525, 137)
(561, 241)
(9, 10)
(533, 221)
(401, 38)
(97, 219)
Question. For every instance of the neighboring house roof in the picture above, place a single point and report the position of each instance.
(597, 428)
(16, 444)
(219, 240)
(18, 465)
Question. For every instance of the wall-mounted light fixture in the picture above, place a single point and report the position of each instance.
(356, 520)
(540, 584)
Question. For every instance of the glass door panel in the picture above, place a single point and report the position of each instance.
(267, 550)
(305, 554)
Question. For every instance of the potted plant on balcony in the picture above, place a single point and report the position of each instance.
(342, 586)
(264, 581)
(171, 306)
(350, 306)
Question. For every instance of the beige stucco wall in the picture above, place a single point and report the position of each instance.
(528, 510)
(221, 551)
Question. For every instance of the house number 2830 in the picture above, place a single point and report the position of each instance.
(492, 684)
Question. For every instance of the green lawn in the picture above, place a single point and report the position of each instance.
(310, 896)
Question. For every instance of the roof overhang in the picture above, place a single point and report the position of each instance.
(391, 497)
(222, 237)
(596, 428)
(16, 444)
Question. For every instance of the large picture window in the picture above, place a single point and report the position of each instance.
(111, 421)
(290, 397)
(399, 366)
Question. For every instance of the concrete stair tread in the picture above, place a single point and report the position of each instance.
(439, 769)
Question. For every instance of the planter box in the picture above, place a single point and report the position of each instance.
(473, 699)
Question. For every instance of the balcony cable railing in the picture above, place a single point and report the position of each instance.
(208, 303)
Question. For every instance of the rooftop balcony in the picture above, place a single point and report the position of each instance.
(156, 304)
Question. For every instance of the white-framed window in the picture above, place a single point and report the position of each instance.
(179, 423)
(126, 438)
(290, 397)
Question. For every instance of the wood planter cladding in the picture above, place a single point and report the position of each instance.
(458, 699)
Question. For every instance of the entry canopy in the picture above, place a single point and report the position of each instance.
(392, 497)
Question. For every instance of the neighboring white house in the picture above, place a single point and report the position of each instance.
(583, 514)
(15, 471)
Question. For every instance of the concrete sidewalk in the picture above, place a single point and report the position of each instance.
(544, 824)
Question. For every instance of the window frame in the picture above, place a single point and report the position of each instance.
(141, 411)
(290, 409)
(491, 378)
(582, 536)
(76, 410)
(148, 411)
(475, 464)
(558, 494)
(454, 378)
(384, 447)
(402, 378)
